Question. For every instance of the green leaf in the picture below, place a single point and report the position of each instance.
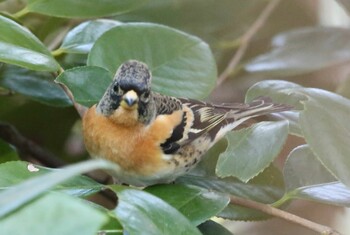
(15, 197)
(324, 124)
(53, 214)
(142, 213)
(181, 64)
(210, 228)
(20, 47)
(15, 172)
(81, 38)
(303, 50)
(302, 168)
(82, 8)
(259, 144)
(197, 204)
(36, 85)
(7, 153)
(279, 91)
(293, 121)
(267, 187)
(306, 178)
(87, 84)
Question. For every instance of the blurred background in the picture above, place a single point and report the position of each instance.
(222, 24)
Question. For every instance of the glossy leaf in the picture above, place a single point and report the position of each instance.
(36, 85)
(7, 153)
(267, 187)
(302, 168)
(259, 144)
(324, 123)
(15, 197)
(81, 8)
(20, 47)
(210, 228)
(53, 214)
(307, 178)
(279, 91)
(87, 84)
(197, 204)
(293, 121)
(142, 213)
(15, 172)
(303, 50)
(181, 64)
(81, 38)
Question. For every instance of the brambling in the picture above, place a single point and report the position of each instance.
(154, 138)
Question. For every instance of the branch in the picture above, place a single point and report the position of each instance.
(246, 39)
(27, 147)
(270, 210)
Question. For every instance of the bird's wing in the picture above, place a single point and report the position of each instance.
(215, 120)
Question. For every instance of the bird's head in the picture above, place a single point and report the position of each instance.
(129, 92)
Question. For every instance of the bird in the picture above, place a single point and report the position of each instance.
(154, 138)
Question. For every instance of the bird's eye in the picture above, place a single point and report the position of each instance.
(145, 96)
(116, 88)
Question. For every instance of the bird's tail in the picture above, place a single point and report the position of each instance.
(258, 107)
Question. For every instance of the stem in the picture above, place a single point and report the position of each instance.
(21, 13)
(246, 39)
(80, 108)
(270, 210)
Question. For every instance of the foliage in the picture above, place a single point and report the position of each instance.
(50, 42)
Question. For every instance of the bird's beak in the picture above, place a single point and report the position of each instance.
(130, 100)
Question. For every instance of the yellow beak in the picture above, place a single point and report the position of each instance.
(130, 100)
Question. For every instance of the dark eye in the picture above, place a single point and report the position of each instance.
(145, 96)
(116, 88)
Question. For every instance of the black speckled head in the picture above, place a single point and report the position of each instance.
(130, 89)
(133, 75)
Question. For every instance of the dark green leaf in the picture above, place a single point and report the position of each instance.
(259, 144)
(197, 204)
(82, 8)
(36, 85)
(142, 213)
(53, 214)
(15, 172)
(307, 178)
(303, 51)
(267, 187)
(81, 38)
(20, 47)
(181, 64)
(210, 228)
(87, 84)
(7, 153)
(15, 197)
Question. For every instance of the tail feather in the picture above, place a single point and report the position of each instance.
(258, 107)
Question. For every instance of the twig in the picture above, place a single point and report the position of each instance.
(80, 108)
(245, 40)
(27, 147)
(270, 210)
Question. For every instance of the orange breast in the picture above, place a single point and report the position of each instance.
(135, 148)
